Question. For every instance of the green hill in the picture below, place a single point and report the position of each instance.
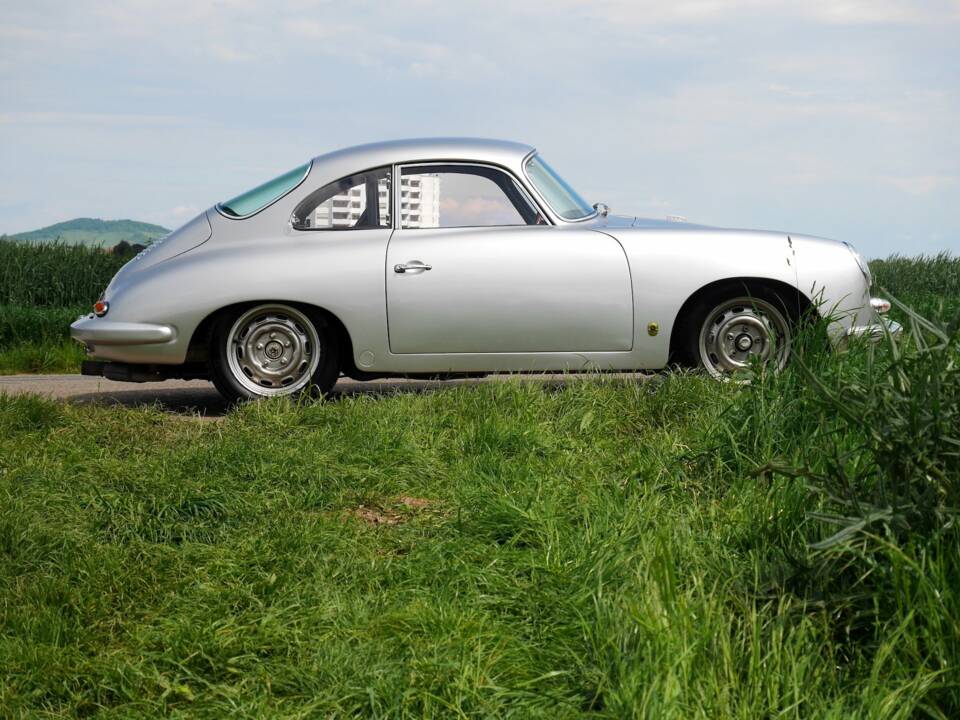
(94, 232)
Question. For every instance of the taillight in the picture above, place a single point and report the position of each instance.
(100, 308)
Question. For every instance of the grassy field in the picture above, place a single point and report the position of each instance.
(673, 547)
(43, 288)
(929, 284)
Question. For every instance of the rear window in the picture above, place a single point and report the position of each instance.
(253, 200)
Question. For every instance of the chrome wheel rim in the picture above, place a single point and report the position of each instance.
(273, 350)
(743, 331)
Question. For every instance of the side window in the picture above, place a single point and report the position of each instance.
(448, 196)
(357, 202)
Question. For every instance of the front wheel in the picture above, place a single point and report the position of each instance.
(730, 336)
(271, 350)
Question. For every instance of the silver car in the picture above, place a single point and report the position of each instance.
(447, 257)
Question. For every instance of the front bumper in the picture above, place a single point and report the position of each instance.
(93, 331)
(871, 333)
(876, 331)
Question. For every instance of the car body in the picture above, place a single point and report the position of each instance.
(424, 284)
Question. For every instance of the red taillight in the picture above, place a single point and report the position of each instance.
(100, 308)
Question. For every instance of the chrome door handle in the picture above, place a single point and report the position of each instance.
(412, 265)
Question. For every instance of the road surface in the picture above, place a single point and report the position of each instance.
(199, 396)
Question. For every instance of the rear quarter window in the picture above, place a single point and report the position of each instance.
(259, 197)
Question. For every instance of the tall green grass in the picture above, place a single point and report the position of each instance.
(37, 340)
(41, 325)
(874, 438)
(930, 284)
(43, 288)
(673, 548)
(53, 275)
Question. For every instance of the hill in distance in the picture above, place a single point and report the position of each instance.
(94, 232)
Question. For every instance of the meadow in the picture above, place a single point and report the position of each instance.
(667, 546)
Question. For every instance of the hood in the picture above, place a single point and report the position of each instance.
(625, 221)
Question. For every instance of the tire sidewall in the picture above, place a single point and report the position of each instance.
(321, 382)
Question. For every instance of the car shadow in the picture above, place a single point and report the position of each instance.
(207, 403)
(204, 401)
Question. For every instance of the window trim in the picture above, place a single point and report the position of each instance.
(535, 204)
(572, 221)
(277, 199)
(392, 168)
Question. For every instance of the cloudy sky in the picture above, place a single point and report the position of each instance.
(830, 117)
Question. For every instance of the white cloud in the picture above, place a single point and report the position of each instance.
(71, 118)
(921, 184)
(173, 217)
(17, 32)
(840, 12)
(389, 52)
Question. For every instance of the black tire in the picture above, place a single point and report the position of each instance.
(312, 367)
(689, 350)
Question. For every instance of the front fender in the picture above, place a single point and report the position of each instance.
(669, 266)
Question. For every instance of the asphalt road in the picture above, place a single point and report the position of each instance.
(199, 396)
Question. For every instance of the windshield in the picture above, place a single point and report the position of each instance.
(561, 197)
(262, 195)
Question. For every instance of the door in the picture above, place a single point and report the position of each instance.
(472, 269)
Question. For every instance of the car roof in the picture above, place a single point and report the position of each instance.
(500, 152)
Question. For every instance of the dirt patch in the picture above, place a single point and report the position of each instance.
(391, 512)
(414, 502)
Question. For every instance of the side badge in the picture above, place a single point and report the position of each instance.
(652, 329)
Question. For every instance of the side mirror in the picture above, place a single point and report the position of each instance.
(601, 209)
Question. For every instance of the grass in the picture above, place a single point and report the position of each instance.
(610, 548)
(930, 283)
(549, 573)
(53, 275)
(43, 288)
(42, 358)
(36, 340)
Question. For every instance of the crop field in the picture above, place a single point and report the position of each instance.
(43, 288)
(661, 547)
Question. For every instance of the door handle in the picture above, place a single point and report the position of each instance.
(412, 265)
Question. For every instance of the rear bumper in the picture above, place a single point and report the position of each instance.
(140, 373)
(93, 331)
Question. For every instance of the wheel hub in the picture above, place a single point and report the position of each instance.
(273, 350)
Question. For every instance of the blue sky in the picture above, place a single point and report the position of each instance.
(830, 118)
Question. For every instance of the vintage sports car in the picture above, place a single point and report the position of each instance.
(446, 257)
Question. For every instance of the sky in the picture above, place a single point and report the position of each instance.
(832, 118)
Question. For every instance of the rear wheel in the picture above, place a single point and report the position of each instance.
(271, 350)
(728, 335)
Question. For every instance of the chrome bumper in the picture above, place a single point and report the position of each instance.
(93, 331)
(875, 331)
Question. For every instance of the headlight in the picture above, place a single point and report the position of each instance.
(861, 263)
